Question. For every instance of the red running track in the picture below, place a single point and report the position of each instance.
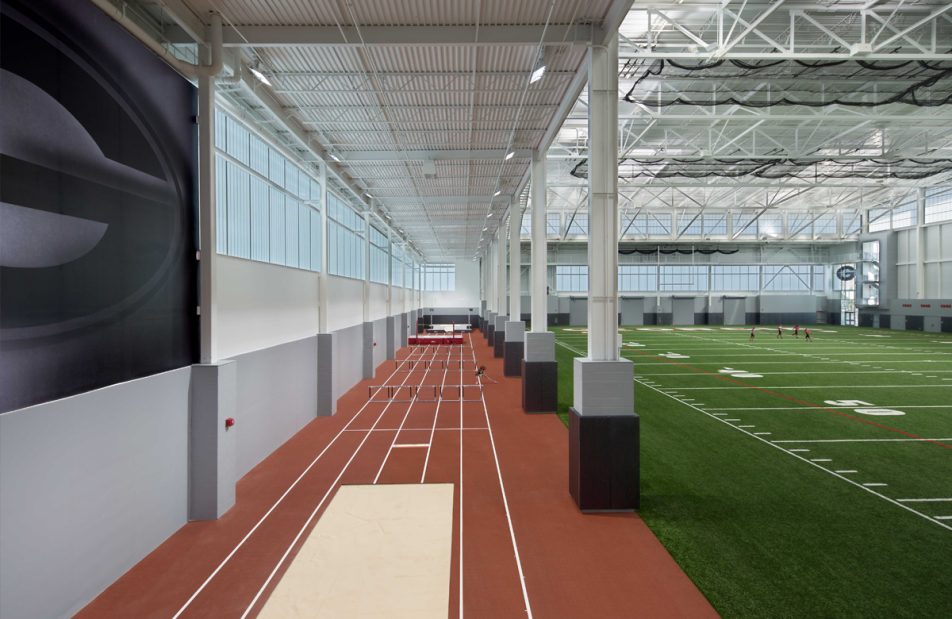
(521, 547)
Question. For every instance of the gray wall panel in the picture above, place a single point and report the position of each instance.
(348, 359)
(89, 485)
(380, 337)
(277, 396)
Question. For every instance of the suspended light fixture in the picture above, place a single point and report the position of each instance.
(261, 77)
(539, 70)
(497, 193)
(335, 157)
(510, 155)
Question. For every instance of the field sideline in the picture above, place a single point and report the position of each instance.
(795, 478)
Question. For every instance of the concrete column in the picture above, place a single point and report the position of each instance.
(920, 245)
(540, 376)
(499, 338)
(603, 427)
(515, 262)
(491, 295)
(539, 265)
(368, 326)
(323, 299)
(212, 443)
(514, 338)
(206, 213)
(326, 402)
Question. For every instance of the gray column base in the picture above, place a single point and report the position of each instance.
(490, 327)
(391, 337)
(540, 386)
(604, 467)
(368, 343)
(512, 358)
(326, 404)
(499, 338)
(212, 461)
(402, 323)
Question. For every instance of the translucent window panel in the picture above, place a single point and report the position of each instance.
(690, 278)
(239, 215)
(851, 223)
(578, 224)
(658, 224)
(878, 219)
(276, 167)
(633, 225)
(715, 224)
(825, 225)
(800, 224)
(260, 220)
(221, 205)
(237, 140)
(552, 224)
(735, 278)
(259, 155)
(317, 249)
(439, 277)
(691, 224)
(905, 214)
(787, 278)
(770, 225)
(819, 278)
(526, 226)
(745, 225)
(637, 278)
(571, 278)
(291, 232)
(304, 236)
(938, 206)
(278, 249)
(221, 130)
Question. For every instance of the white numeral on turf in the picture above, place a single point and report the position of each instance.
(846, 403)
(872, 410)
(879, 412)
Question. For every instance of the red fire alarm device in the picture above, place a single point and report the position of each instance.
(229, 422)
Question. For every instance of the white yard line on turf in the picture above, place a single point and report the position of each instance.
(790, 452)
(288, 491)
(502, 489)
(806, 408)
(317, 508)
(862, 440)
(930, 500)
(907, 385)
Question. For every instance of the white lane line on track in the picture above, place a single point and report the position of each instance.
(310, 518)
(406, 415)
(502, 489)
(285, 494)
(436, 415)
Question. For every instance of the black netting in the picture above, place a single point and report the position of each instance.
(807, 169)
(855, 83)
(683, 251)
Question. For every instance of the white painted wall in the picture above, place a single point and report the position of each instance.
(937, 262)
(467, 288)
(261, 305)
(346, 298)
(378, 301)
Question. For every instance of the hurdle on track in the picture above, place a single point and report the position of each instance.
(426, 393)
(409, 365)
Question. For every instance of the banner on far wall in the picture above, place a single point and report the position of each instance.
(98, 280)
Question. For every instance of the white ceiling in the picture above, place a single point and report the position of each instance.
(421, 100)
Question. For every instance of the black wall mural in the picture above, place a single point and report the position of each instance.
(98, 279)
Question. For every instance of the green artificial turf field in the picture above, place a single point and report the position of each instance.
(792, 478)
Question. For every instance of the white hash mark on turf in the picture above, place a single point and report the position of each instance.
(845, 471)
(874, 484)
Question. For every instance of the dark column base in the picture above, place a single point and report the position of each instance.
(499, 344)
(490, 334)
(540, 386)
(512, 355)
(604, 465)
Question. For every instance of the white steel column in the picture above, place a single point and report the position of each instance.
(501, 269)
(491, 275)
(367, 263)
(323, 301)
(515, 261)
(603, 203)
(920, 292)
(539, 265)
(390, 271)
(207, 223)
